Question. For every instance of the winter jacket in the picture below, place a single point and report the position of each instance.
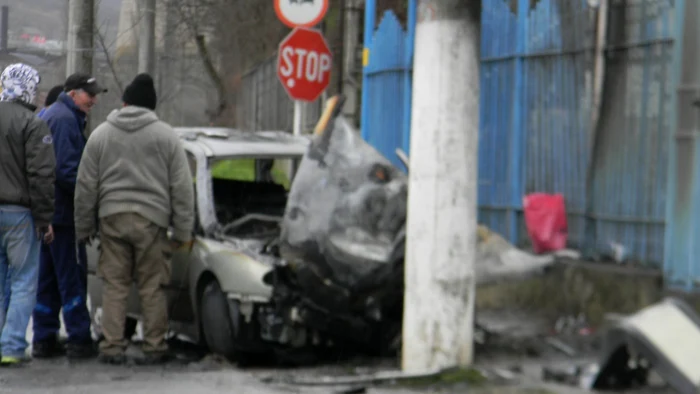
(27, 163)
(135, 163)
(67, 123)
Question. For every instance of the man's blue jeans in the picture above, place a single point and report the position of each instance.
(19, 272)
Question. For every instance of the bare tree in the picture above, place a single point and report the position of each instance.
(99, 36)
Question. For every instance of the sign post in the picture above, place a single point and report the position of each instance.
(296, 128)
(304, 64)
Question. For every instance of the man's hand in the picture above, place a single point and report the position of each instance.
(46, 234)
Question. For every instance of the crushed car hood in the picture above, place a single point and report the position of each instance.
(346, 209)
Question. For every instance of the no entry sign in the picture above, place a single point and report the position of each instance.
(301, 13)
(304, 64)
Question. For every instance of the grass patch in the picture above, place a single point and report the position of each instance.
(448, 378)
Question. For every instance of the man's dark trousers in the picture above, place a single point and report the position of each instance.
(62, 284)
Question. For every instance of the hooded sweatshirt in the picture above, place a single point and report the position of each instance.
(134, 163)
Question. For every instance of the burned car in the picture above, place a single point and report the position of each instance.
(240, 181)
(298, 245)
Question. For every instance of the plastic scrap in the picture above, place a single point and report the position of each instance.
(545, 219)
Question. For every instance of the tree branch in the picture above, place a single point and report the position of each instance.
(213, 74)
(110, 63)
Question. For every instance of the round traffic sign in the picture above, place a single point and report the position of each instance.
(301, 13)
(304, 64)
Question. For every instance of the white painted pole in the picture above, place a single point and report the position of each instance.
(297, 117)
(441, 225)
(79, 43)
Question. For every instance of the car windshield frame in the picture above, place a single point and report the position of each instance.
(212, 161)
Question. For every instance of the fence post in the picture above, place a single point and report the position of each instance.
(370, 14)
(677, 237)
(517, 130)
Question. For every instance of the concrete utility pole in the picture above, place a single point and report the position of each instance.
(441, 226)
(147, 42)
(79, 44)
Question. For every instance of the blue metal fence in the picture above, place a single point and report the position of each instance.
(681, 268)
(535, 132)
(386, 81)
(535, 98)
(537, 66)
(631, 164)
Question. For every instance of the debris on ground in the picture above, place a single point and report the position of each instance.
(343, 383)
(498, 260)
(664, 336)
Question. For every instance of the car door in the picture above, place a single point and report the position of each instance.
(179, 305)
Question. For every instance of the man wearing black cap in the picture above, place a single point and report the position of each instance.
(63, 268)
(135, 177)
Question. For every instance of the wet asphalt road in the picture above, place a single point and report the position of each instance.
(206, 376)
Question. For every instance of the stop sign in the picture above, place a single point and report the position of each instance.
(304, 64)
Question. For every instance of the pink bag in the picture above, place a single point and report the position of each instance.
(545, 219)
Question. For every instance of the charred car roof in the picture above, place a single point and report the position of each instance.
(225, 142)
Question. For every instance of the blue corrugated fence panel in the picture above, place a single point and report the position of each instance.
(535, 109)
(557, 62)
(498, 48)
(385, 74)
(630, 184)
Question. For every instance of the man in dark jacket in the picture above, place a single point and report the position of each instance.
(51, 98)
(27, 172)
(63, 272)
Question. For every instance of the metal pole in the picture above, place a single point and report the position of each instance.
(147, 44)
(681, 198)
(370, 11)
(441, 224)
(4, 26)
(341, 28)
(348, 58)
(297, 117)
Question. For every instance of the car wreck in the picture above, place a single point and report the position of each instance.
(262, 276)
(299, 245)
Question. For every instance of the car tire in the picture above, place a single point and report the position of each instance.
(217, 326)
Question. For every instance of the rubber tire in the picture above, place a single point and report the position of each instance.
(217, 328)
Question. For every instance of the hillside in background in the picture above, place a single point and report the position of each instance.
(49, 16)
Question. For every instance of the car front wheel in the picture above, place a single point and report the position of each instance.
(217, 326)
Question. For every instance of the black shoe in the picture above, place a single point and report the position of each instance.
(153, 358)
(117, 359)
(80, 351)
(48, 349)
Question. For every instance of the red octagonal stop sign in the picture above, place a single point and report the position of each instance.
(304, 64)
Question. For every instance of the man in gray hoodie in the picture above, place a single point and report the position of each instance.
(135, 178)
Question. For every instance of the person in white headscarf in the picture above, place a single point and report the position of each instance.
(27, 175)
